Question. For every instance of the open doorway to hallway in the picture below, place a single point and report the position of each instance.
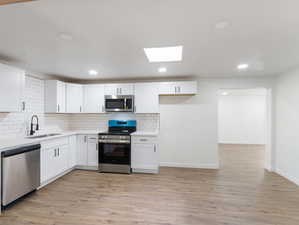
(242, 128)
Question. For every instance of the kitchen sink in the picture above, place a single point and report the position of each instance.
(43, 136)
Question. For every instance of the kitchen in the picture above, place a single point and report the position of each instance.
(109, 112)
(62, 151)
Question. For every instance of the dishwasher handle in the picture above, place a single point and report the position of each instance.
(20, 150)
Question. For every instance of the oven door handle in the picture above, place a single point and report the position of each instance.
(114, 142)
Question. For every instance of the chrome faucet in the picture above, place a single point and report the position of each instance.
(36, 125)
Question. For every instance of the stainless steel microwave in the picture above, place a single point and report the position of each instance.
(119, 103)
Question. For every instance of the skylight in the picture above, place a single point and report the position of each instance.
(165, 54)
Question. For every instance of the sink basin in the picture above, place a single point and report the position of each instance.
(43, 136)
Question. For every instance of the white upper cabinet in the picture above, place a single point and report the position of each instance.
(93, 98)
(178, 88)
(12, 84)
(119, 89)
(74, 98)
(147, 97)
(55, 96)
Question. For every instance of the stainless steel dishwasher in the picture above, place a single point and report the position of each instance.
(20, 172)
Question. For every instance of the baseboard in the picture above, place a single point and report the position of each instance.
(93, 168)
(287, 176)
(190, 165)
(232, 143)
(150, 171)
(55, 178)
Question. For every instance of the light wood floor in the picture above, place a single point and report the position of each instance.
(240, 193)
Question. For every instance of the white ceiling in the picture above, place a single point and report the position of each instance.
(109, 36)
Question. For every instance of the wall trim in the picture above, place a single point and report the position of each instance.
(189, 165)
(287, 176)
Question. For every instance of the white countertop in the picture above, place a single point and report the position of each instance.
(146, 133)
(8, 143)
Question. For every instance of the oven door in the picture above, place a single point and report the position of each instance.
(115, 153)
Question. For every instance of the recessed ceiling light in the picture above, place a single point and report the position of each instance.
(162, 70)
(243, 66)
(93, 72)
(65, 36)
(222, 25)
(224, 93)
(165, 54)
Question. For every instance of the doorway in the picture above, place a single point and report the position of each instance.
(244, 128)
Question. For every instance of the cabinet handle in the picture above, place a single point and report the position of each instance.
(85, 138)
(120, 91)
(58, 108)
(175, 89)
(179, 89)
(55, 152)
(154, 148)
(97, 147)
(143, 139)
(80, 108)
(92, 138)
(23, 106)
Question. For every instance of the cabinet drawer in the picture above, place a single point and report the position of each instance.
(144, 139)
(55, 142)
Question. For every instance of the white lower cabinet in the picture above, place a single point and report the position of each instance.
(87, 151)
(54, 158)
(72, 151)
(47, 164)
(145, 155)
(92, 150)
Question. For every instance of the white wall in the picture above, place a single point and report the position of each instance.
(189, 133)
(287, 126)
(241, 116)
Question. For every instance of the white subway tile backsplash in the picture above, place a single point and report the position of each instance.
(145, 122)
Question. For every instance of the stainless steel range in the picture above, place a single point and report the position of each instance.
(115, 147)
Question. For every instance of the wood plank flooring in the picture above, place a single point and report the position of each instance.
(240, 193)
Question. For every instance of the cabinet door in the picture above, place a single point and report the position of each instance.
(186, 87)
(55, 96)
(167, 88)
(72, 151)
(93, 99)
(147, 98)
(82, 150)
(61, 98)
(119, 89)
(111, 89)
(12, 83)
(178, 88)
(48, 164)
(126, 89)
(144, 156)
(62, 159)
(93, 153)
(74, 98)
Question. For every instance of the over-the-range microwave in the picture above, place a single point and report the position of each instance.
(119, 103)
